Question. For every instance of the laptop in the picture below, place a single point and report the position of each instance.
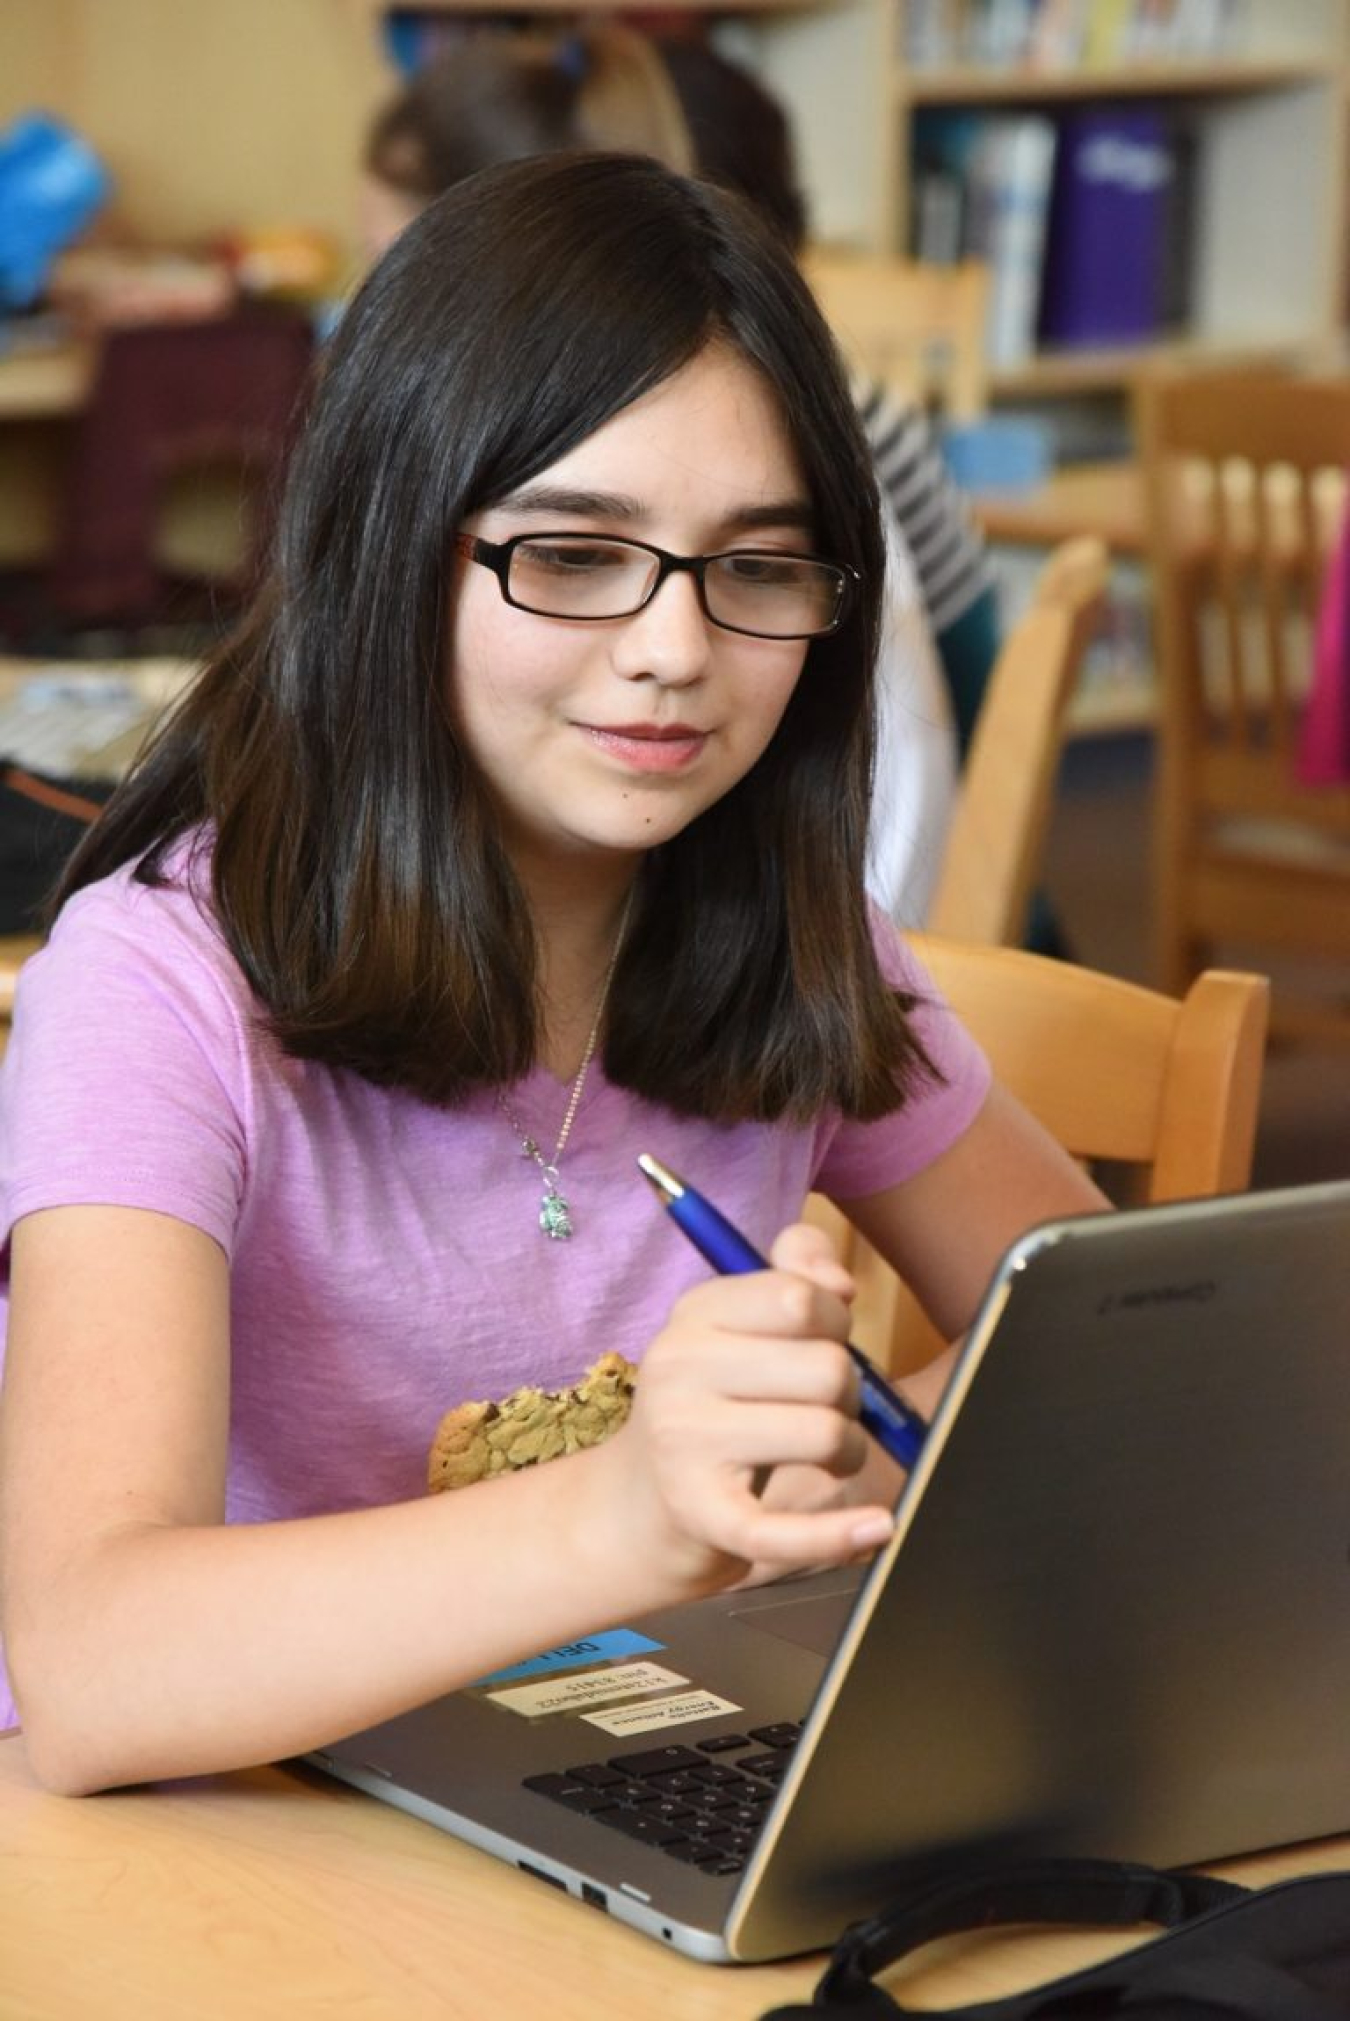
(1114, 1620)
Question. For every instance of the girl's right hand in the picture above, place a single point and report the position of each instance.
(749, 1375)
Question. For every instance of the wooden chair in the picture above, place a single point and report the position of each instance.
(997, 835)
(172, 405)
(919, 329)
(1244, 477)
(1164, 1088)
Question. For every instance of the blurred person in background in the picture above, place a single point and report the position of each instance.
(502, 97)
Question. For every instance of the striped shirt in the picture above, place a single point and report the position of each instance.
(948, 549)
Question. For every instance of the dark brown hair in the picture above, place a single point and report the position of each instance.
(741, 135)
(357, 867)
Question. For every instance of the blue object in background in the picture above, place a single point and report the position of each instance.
(51, 185)
(403, 36)
(1108, 241)
(998, 453)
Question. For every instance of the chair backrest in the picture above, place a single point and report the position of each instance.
(1164, 1089)
(170, 397)
(1245, 482)
(998, 830)
(917, 328)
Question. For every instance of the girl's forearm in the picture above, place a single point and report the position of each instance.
(171, 1652)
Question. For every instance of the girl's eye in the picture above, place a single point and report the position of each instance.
(763, 570)
(568, 558)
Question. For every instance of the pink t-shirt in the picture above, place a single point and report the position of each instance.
(385, 1256)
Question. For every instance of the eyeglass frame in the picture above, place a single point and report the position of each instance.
(495, 556)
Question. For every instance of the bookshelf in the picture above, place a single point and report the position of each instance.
(1266, 103)
(1263, 85)
(1266, 106)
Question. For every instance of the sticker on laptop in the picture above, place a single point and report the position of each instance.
(660, 1712)
(614, 1644)
(581, 1688)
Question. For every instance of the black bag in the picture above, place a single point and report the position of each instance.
(1229, 1953)
(42, 817)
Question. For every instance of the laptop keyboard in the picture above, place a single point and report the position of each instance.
(703, 1804)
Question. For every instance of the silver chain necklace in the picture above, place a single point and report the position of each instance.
(555, 1214)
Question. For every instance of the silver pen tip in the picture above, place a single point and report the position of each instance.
(660, 1177)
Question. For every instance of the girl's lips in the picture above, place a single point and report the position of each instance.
(649, 750)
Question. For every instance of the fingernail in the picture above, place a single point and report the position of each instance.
(872, 1531)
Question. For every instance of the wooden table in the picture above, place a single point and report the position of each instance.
(155, 681)
(271, 1893)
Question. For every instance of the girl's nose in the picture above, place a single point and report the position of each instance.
(668, 640)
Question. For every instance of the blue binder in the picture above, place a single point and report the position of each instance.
(1110, 253)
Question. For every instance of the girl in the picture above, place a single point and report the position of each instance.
(519, 833)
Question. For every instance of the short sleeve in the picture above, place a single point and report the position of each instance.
(864, 1158)
(125, 1081)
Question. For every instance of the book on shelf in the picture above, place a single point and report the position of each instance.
(1084, 219)
(980, 190)
(1180, 226)
(1012, 172)
(932, 32)
(939, 182)
(1117, 251)
(1059, 35)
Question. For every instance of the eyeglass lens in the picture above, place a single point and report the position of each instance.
(769, 595)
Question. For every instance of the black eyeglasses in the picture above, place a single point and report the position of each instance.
(586, 578)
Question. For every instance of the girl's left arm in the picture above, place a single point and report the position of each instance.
(945, 1229)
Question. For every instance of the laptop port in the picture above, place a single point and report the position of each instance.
(539, 1874)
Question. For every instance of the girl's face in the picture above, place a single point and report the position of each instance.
(610, 736)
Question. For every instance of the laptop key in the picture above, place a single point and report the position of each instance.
(716, 1801)
(658, 1761)
(598, 1774)
(640, 1825)
(718, 1743)
(554, 1785)
(768, 1766)
(670, 1808)
(693, 1851)
(680, 1784)
(586, 1802)
(785, 1734)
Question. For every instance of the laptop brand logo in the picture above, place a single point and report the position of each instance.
(1147, 1296)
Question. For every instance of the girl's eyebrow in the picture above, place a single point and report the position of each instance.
(541, 500)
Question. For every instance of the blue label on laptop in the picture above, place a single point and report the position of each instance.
(606, 1648)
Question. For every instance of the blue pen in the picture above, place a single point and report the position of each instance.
(896, 1428)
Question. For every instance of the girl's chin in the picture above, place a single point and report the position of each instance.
(626, 831)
